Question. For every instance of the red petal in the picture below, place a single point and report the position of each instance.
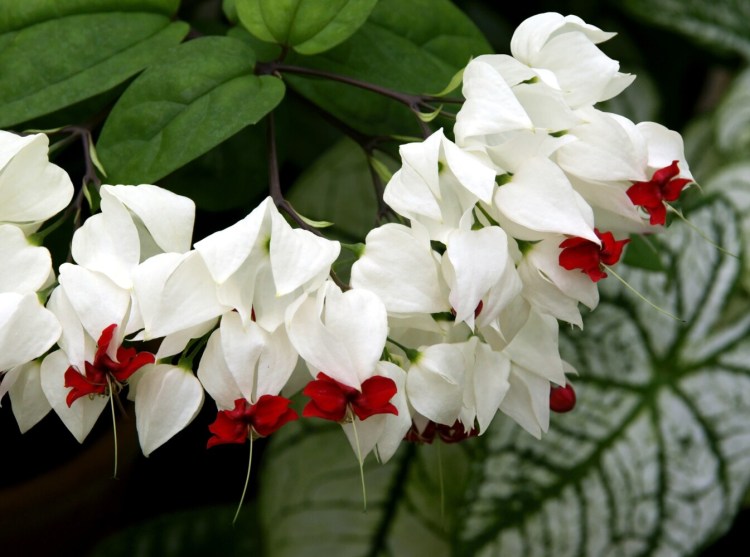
(562, 399)
(227, 429)
(79, 386)
(673, 189)
(644, 194)
(129, 367)
(665, 174)
(272, 412)
(377, 391)
(104, 340)
(658, 214)
(328, 399)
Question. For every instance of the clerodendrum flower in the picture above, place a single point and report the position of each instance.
(31, 188)
(652, 195)
(245, 420)
(583, 254)
(105, 375)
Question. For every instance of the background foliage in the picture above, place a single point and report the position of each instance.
(654, 461)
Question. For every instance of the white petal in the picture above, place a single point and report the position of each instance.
(527, 401)
(664, 146)
(175, 292)
(167, 216)
(26, 395)
(108, 242)
(298, 256)
(27, 329)
(215, 376)
(168, 399)
(97, 300)
(395, 427)
(31, 188)
(398, 265)
(489, 378)
(176, 342)
(535, 347)
(478, 259)
(225, 251)
(540, 198)
(25, 267)
(435, 383)
(81, 416)
(491, 107)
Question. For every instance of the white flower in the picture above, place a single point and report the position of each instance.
(31, 188)
(261, 264)
(562, 51)
(438, 185)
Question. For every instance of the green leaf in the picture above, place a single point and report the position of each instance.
(643, 252)
(655, 459)
(199, 96)
(55, 54)
(320, 512)
(338, 187)
(719, 23)
(308, 26)
(431, 39)
(241, 163)
(194, 533)
(733, 181)
(733, 119)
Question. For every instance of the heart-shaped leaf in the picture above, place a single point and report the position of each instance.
(55, 54)
(308, 26)
(432, 39)
(196, 98)
(719, 23)
(654, 460)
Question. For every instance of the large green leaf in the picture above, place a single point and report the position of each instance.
(431, 39)
(55, 54)
(654, 460)
(338, 187)
(718, 23)
(308, 26)
(311, 501)
(195, 533)
(196, 98)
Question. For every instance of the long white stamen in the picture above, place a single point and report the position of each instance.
(247, 479)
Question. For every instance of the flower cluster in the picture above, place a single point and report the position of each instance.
(450, 317)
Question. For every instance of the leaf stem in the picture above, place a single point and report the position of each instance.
(274, 186)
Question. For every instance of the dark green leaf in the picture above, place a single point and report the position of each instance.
(308, 26)
(338, 187)
(55, 54)
(194, 533)
(718, 23)
(643, 252)
(198, 97)
(431, 39)
(240, 162)
(655, 458)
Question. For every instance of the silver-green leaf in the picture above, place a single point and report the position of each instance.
(655, 459)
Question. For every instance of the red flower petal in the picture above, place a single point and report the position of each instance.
(270, 413)
(104, 340)
(80, 386)
(328, 399)
(228, 427)
(377, 391)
